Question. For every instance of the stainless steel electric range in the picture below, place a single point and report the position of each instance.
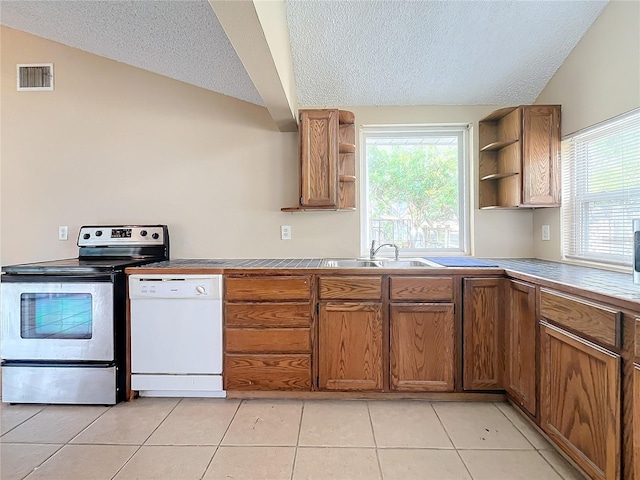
(64, 321)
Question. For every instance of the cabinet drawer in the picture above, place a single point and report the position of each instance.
(249, 315)
(597, 321)
(422, 288)
(267, 372)
(351, 288)
(265, 340)
(267, 288)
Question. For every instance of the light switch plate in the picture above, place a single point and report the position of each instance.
(546, 233)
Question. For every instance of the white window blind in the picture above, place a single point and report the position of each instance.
(601, 190)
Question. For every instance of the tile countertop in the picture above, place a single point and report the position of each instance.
(594, 280)
(223, 263)
(590, 280)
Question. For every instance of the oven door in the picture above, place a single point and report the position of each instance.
(57, 318)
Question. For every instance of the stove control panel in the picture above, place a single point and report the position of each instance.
(98, 236)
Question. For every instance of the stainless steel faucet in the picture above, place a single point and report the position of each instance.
(374, 250)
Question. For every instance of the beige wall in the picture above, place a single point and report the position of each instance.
(116, 144)
(599, 80)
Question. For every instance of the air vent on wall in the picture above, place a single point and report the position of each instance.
(35, 76)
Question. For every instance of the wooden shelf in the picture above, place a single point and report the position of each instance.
(498, 176)
(316, 209)
(500, 207)
(498, 145)
(347, 148)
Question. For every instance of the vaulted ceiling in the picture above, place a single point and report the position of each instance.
(340, 52)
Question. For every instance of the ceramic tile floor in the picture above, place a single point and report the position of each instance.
(209, 439)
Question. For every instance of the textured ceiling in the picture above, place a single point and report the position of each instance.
(179, 39)
(355, 53)
(345, 53)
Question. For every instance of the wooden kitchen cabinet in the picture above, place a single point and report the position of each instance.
(421, 355)
(350, 325)
(483, 334)
(422, 347)
(636, 420)
(636, 401)
(519, 164)
(327, 160)
(422, 333)
(268, 333)
(580, 400)
(520, 344)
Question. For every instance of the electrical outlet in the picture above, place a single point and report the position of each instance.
(63, 232)
(285, 232)
(546, 233)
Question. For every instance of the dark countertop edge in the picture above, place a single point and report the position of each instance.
(175, 270)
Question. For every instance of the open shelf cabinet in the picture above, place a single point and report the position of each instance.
(327, 161)
(520, 157)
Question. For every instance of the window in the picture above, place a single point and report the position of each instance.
(601, 191)
(55, 315)
(415, 188)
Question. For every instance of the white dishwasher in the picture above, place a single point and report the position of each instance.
(176, 335)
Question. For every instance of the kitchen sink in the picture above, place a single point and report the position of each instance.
(379, 262)
(350, 263)
(408, 263)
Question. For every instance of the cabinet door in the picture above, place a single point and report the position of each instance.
(636, 420)
(483, 349)
(319, 158)
(540, 155)
(520, 351)
(350, 346)
(580, 401)
(422, 347)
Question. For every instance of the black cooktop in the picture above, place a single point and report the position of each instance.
(72, 266)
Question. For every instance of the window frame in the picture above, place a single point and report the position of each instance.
(463, 131)
(573, 212)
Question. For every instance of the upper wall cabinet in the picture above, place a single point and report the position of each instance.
(520, 157)
(327, 161)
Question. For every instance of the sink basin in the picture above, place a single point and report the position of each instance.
(379, 262)
(351, 263)
(408, 263)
